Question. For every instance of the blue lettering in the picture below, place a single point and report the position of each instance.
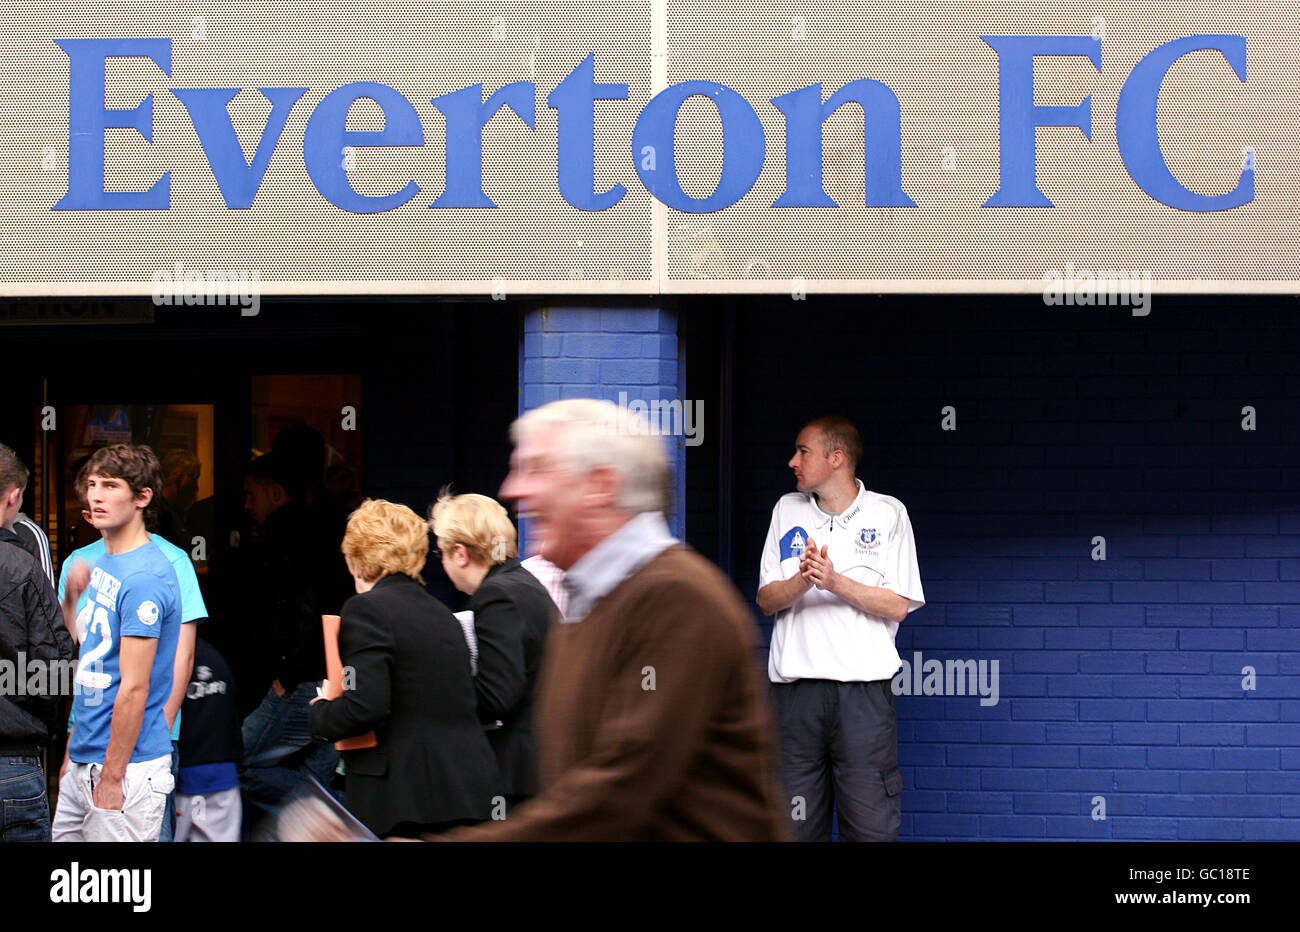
(805, 116)
(743, 146)
(327, 136)
(327, 140)
(1019, 117)
(88, 118)
(1135, 126)
(238, 179)
(467, 113)
(574, 100)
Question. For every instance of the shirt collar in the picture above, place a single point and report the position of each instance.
(848, 514)
(613, 560)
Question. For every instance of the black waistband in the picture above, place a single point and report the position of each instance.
(19, 750)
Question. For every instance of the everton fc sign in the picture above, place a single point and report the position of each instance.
(551, 148)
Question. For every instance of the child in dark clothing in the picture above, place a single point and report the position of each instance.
(208, 807)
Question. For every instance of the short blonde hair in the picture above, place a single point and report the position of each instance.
(384, 539)
(482, 524)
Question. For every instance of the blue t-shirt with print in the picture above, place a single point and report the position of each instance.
(133, 594)
(192, 605)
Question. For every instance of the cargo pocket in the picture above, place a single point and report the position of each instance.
(893, 781)
(151, 811)
(162, 784)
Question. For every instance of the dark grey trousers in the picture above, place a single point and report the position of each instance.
(839, 753)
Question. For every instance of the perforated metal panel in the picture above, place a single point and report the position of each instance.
(946, 80)
(929, 54)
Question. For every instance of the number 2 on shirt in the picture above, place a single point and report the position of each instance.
(86, 675)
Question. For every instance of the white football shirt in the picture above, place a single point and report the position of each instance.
(821, 636)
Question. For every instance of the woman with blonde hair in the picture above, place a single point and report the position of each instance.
(512, 615)
(410, 684)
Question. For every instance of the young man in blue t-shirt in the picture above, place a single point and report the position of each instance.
(193, 612)
(119, 772)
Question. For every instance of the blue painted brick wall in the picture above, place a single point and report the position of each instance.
(600, 352)
(1120, 679)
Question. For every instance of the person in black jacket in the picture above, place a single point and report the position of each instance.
(36, 650)
(289, 582)
(409, 682)
(512, 615)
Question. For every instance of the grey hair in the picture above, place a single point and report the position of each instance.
(600, 433)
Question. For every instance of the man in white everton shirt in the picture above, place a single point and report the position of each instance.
(119, 772)
(839, 571)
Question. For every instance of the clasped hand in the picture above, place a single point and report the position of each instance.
(815, 566)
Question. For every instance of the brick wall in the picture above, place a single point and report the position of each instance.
(1119, 678)
(600, 352)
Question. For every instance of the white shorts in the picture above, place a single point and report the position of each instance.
(145, 787)
(210, 817)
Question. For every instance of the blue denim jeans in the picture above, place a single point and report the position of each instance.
(279, 751)
(24, 807)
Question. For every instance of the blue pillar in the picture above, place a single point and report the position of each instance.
(600, 352)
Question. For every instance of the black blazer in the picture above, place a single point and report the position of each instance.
(512, 615)
(412, 686)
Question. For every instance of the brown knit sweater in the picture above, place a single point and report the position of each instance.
(690, 758)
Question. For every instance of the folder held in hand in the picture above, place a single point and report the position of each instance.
(333, 685)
